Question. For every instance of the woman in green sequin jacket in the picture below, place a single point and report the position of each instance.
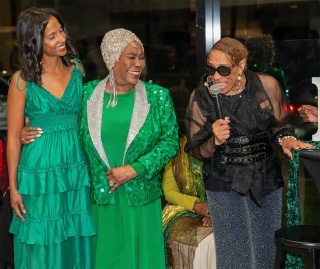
(152, 140)
(129, 132)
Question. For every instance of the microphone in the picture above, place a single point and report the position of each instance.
(214, 90)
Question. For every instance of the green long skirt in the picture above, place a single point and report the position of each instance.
(128, 237)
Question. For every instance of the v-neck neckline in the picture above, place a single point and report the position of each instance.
(65, 90)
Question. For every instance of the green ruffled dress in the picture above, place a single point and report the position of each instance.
(128, 237)
(54, 183)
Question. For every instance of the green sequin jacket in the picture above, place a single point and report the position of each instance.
(152, 140)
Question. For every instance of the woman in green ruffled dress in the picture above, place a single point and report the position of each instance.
(48, 179)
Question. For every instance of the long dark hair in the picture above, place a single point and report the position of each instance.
(31, 25)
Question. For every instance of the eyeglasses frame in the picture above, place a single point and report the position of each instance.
(216, 69)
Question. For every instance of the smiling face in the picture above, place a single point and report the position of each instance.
(228, 83)
(54, 39)
(128, 68)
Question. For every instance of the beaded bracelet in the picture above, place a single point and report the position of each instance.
(284, 137)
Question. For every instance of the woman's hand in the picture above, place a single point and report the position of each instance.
(309, 113)
(206, 221)
(17, 204)
(289, 143)
(28, 134)
(120, 175)
(221, 131)
(203, 210)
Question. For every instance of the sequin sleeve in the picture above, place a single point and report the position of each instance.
(158, 138)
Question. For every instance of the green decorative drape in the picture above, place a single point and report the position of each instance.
(293, 214)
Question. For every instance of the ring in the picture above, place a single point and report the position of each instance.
(23, 140)
(111, 183)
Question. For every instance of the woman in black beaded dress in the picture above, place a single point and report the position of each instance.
(241, 171)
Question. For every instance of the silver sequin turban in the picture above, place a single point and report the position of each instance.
(113, 44)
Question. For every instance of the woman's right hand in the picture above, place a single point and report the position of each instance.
(17, 204)
(29, 133)
(309, 113)
(221, 131)
(201, 209)
(206, 221)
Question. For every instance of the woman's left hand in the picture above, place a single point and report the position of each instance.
(290, 143)
(29, 134)
(206, 221)
(120, 175)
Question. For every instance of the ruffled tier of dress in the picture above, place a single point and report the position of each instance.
(74, 253)
(51, 180)
(55, 217)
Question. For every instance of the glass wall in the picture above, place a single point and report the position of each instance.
(282, 37)
(283, 40)
(286, 34)
(165, 27)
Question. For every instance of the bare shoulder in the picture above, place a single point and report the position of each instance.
(270, 84)
(267, 79)
(78, 64)
(17, 83)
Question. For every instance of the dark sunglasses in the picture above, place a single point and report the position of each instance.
(222, 70)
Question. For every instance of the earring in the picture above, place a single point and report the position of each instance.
(208, 83)
(239, 78)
